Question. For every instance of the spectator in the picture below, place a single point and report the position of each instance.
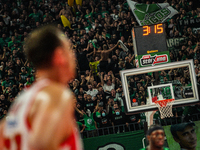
(91, 91)
(185, 135)
(134, 121)
(104, 57)
(23, 75)
(189, 111)
(82, 59)
(88, 121)
(89, 103)
(103, 121)
(81, 126)
(6, 83)
(66, 11)
(119, 118)
(36, 16)
(110, 83)
(128, 64)
(122, 55)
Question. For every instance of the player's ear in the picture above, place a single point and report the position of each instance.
(58, 58)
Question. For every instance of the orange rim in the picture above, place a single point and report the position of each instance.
(165, 100)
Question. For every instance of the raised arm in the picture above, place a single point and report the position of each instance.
(25, 62)
(4, 54)
(101, 77)
(97, 106)
(170, 74)
(151, 118)
(91, 77)
(91, 5)
(113, 77)
(131, 59)
(83, 128)
(197, 47)
(113, 47)
(93, 52)
(22, 61)
(60, 13)
(80, 112)
(97, 51)
(88, 45)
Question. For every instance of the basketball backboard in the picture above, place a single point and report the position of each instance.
(176, 80)
(160, 92)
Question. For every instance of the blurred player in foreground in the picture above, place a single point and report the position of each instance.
(156, 138)
(42, 118)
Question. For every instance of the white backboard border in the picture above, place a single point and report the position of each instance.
(138, 71)
(160, 86)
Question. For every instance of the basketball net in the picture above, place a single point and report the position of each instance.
(165, 107)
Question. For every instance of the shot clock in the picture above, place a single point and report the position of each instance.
(150, 45)
(157, 29)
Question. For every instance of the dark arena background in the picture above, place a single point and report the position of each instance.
(113, 107)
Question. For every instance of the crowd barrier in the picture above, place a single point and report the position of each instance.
(131, 137)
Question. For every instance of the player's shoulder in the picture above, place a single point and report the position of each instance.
(56, 88)
(55, 92)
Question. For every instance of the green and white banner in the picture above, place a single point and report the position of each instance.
(192, 23)
(120, 141)
(175, 42)
(147, 14)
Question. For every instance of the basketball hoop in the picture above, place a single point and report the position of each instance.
(165, 107)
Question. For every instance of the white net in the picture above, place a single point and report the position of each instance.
(165, 108)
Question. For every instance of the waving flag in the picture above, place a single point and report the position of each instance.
(147, 14)
(65, 21)
(70, 3)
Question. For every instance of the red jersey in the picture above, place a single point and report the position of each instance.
(17, 128)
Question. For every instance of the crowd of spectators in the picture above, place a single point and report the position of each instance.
(96, 27)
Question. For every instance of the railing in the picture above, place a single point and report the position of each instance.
(180, 119)
(112, 130)
(137, 126)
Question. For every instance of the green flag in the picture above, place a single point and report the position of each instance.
(147, 14)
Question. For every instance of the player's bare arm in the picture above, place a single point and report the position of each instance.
(53, 121)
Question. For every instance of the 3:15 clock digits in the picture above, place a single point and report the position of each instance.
(157, 29)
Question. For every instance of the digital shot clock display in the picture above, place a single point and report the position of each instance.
(150, 45)
(149, 39)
